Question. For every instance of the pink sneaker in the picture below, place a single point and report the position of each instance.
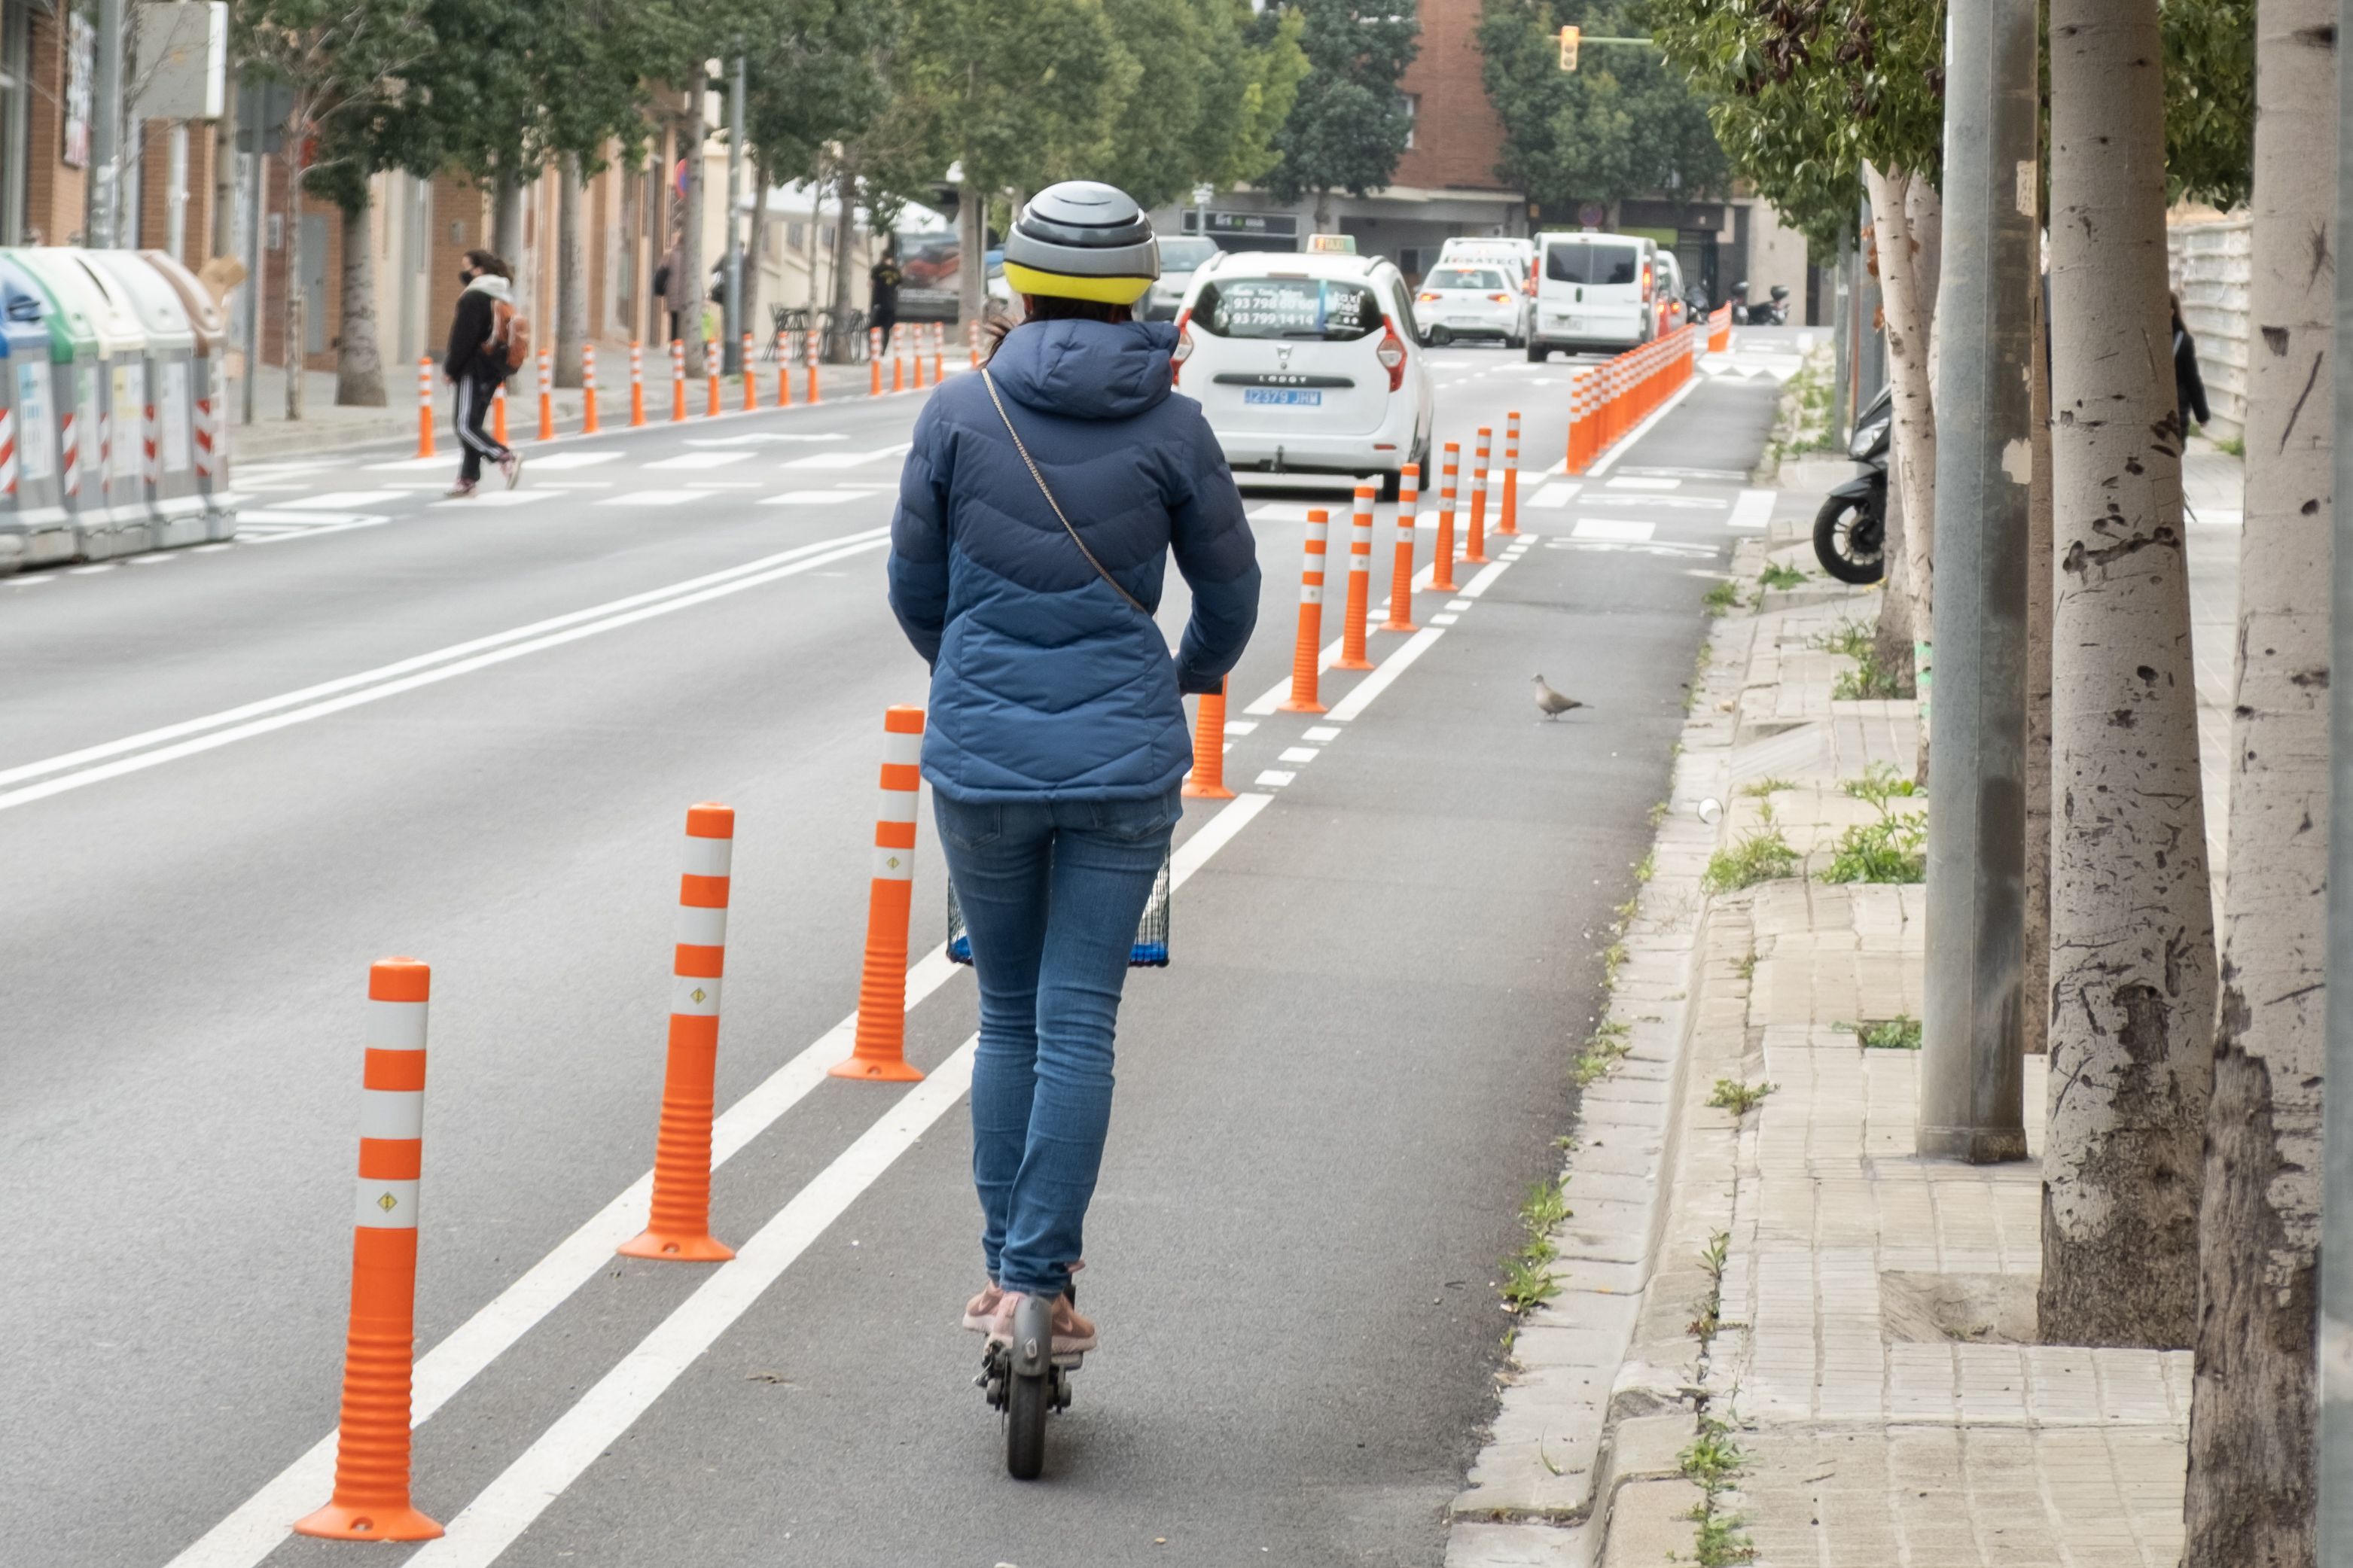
(1073, 1335)
(982, 1308)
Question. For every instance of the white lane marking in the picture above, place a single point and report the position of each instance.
(1669, 503)
(210, 548)
(847, 459)
(698, 460)
(1275, 696)
(1443, 620)
(1627, 482)
(649, 498)
(1634, 437)
(1725, 476)
(1458, 604)
(86, 571)
(1656, 547)
(1478, 586)
(724, 484)
(1360, 697)
(38, 578)
(348, 501)
(1621, 530)
(814, 498)
(412, 466)
(1555, 495)
(159, 558)
(497, 498)
(1320, 733)
(1297, 754)
(486, 1527)
(540, 462)
(762, 437)
(1752, 511)
(1273, 778)
(268, 526)
(1559, 466)
(345, 691)
(1240, 726)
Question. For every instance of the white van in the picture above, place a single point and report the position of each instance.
(1596, 293)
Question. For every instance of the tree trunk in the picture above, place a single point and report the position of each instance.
(1891, 640)
(506, 212)
(693, 287)
(2035, 1033)
(359, 359)
(847, 273)
(1909, 309)
(2251, 1491)
(1322, 211)
(754, 248)
(972, 245)
(2132, 927)
(571, 274)
(293, 347)
(224, 234)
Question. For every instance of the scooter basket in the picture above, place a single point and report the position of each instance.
(1151, 949)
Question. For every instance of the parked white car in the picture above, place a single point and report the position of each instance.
(1465, 301)
(1595, 293)
(1307, 363)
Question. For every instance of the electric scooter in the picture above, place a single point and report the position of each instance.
(1027, 1382)
(1851, 528)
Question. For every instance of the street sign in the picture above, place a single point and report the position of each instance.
(261, 111)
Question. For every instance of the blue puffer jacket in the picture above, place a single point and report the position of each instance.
(1045, 683)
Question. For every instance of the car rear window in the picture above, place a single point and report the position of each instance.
(1185, 255)
(1463, 277)
(1585, 261)
(1330, 309)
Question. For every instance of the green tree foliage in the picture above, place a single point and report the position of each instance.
(1019, 92)
(2209, 99)
(1348, 125)
(816, 76)
(1209, 95)
(1623, 123)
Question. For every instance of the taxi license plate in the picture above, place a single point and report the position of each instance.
(1284, 396)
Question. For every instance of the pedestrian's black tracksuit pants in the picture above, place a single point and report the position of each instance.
(474, 395)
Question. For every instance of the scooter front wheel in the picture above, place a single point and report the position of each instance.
(1846, 540)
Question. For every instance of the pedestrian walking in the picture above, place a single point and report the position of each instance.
(665, 279)
(1037, 512)
(882, 280)
(2188, 386)
(488, 338)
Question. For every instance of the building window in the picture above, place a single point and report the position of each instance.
(796, 235)
(1412, 116)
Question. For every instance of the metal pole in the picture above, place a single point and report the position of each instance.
(259, 178)
(733, 349)
(1841, 342)
(1970, 1072)
(106, 125)
(2334, 1462)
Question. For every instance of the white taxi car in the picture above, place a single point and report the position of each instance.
(1307, 363)
(1470, 301)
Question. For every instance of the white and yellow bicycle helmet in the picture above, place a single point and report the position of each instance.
(1082, 240)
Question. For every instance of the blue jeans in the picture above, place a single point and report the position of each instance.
(1052, 892)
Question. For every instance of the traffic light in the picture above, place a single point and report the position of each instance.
(1568, 48)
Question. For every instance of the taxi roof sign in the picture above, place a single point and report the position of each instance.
(1333, 244)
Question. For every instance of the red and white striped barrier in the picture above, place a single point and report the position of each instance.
(424, 405)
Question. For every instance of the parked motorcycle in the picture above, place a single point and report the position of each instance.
(1851, 528)
(1773, 312)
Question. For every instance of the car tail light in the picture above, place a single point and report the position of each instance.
(1646, 280)
(1425, 298)
(1184, 349)
(1501, 299)
(1391, 353)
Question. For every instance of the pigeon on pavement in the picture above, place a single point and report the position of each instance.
(1553, 703)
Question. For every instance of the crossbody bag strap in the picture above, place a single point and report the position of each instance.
(1100, 570)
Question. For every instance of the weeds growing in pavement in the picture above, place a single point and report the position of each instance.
(1761, 856)
(1901, 1033)
(1707, 1309)
(1646, 867)
(1746, 967)
(1659, 809)
(1722, 599)
(1739, 1099)
(1528, 1279)
(1607, 1047)
(2236, 446)
(1852, 639)
(1763, 788)
(1778, 575)
(1713, 1461)
(1869, 680)
(1892, 849)
(1879, 784)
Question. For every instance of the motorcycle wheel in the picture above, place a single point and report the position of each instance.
(1847, 542)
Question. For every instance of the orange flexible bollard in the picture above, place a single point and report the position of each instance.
(1508, 520)
(424, 405)
(1360, 584)
(896, 346)
(371, 1499)
(676, 381)
(815, 352)
(784, 370)
(915, 358)
(678, 1225)
(1573, 456)
(880, 1052)
(636, 385)
(1474, 542)
(499, 415)
(751, 376)
(546, 396)
(587, 389)
(939, 360)
(1306, 656)
(1441, 569)
(1208, 779)
(1401, 565)
(712, 402)
(972, 341)
(874, 362)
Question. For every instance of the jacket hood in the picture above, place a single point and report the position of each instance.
(1085, 370)
(491, 283)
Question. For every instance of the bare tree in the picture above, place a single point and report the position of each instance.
(2132, 955)
(2035, 983)
(571, 274)
(690, 285)
(1906, 216)
(2253, 1413)
(359, 358)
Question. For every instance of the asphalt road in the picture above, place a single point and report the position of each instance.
(1328, 1108)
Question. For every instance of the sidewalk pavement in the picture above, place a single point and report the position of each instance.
(1860, 1319)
